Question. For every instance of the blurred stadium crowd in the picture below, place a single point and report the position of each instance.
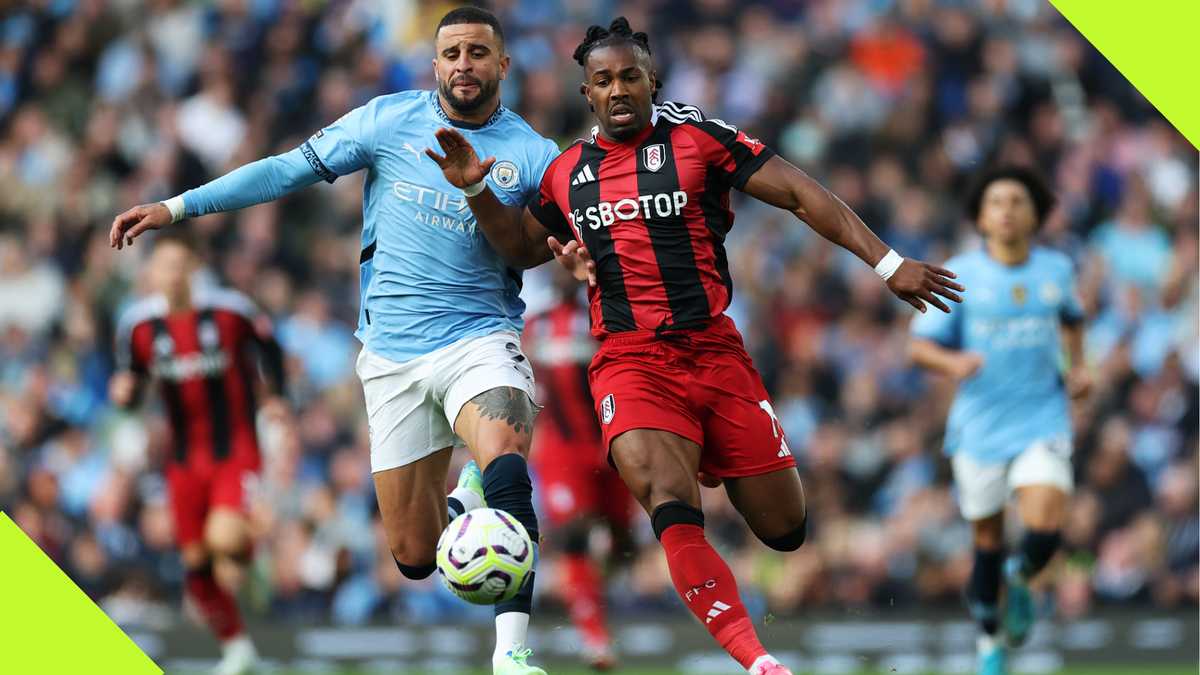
(892, 103)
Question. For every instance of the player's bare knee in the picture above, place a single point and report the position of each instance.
(415, 559)
(988, 533)
(486, 454)
(225, 535)
(193, 556)
(790, 540)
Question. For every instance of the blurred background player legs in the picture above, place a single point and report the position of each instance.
(577, 487)
(213, 570)
(1041, 480)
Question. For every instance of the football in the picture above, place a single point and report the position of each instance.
(484, 556)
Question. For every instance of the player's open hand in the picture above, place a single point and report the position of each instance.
(575, 258)
(460, 165)
(966, 364)
(917, 283)
(122, 387)
(1079, 382)
(127, 226)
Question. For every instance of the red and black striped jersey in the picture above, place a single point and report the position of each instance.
(559, 348)
(204, 360)
(654, 212)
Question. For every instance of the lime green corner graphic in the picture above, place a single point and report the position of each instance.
(48, 626)
(1156, 46)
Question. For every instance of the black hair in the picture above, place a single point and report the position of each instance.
(178, 236)
(617, 33)
(471, 14)
(1039, 190)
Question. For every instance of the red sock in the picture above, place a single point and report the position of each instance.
(215, 603)
(708, 589)
(585, 599)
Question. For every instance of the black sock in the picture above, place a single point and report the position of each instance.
(1037, 548)
(983, 589)
(506, 486)
(416, 572)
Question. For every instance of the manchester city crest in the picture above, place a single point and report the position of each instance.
(504, 174)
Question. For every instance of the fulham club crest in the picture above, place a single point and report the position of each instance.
(654, 156)
(608, 408)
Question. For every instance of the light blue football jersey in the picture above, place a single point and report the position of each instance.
(428, 276)
(1011, 315)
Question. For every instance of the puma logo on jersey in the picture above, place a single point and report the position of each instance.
(413, 150)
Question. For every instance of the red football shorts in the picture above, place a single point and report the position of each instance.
(576, 482)
(697, 384)
(196, 490)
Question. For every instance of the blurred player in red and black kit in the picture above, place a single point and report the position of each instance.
(647, 198)
(204, 348)
(578, 487)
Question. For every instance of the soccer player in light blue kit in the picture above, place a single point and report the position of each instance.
(1009, 428)
(440, 316)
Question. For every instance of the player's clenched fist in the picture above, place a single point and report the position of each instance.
(127, 226)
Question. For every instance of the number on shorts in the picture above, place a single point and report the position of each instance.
(784, 451)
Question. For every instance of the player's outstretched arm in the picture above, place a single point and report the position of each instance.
(952, 363)
(781, 184)
(254, 183)
(1078, 379)
(515, 234)
(125, 388)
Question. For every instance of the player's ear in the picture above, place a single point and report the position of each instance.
(584, 89)
(505, 62)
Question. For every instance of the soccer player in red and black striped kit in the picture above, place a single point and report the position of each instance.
(646, 201)
(204, 348)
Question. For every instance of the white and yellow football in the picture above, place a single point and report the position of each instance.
(485, 556)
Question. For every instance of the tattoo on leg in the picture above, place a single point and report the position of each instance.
(509, 404)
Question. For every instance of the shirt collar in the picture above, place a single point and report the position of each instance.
(436, 104)
(597, 139)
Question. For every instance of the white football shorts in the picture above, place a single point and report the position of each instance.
(983, 488)
(412, 406)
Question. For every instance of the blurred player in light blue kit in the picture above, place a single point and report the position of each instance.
(1009, 429)
(440, 316)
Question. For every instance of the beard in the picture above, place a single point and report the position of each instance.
(466, 106)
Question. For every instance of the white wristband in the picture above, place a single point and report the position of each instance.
(472, 190)
(176, 206)
(886, 267)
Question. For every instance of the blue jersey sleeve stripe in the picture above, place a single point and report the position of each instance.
(317, 165)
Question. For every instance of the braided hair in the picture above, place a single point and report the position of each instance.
(617, 33)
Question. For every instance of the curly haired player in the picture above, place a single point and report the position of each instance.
(1010, 426)
(646, 198)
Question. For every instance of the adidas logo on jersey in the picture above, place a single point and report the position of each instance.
(585, 175)
(718, 608)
